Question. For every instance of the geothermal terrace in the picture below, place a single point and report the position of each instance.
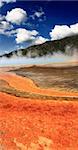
(39, 108)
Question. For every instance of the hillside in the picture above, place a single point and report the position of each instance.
(65, 45)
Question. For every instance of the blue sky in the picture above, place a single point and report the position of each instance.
(24, 23)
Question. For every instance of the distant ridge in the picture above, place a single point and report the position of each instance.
(65, 45)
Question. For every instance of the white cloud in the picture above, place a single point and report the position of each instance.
(21, 34)
(24, 35)
(74, 28)
(10, 33)
(61, 31)
(40, 40)
(16, 16)
(38, 14)
(2, 17)
(2, 2)
(5, 26)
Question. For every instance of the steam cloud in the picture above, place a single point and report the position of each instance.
(70, 55)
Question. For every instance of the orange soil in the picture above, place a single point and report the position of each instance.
(24, 122)
(27, 124)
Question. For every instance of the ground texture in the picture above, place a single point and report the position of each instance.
(35, 118)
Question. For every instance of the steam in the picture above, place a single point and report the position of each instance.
(70, 55)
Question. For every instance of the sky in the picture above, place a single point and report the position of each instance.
(26, 23)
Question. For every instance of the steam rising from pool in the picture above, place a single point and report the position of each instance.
(55, 58)
(70, 55)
